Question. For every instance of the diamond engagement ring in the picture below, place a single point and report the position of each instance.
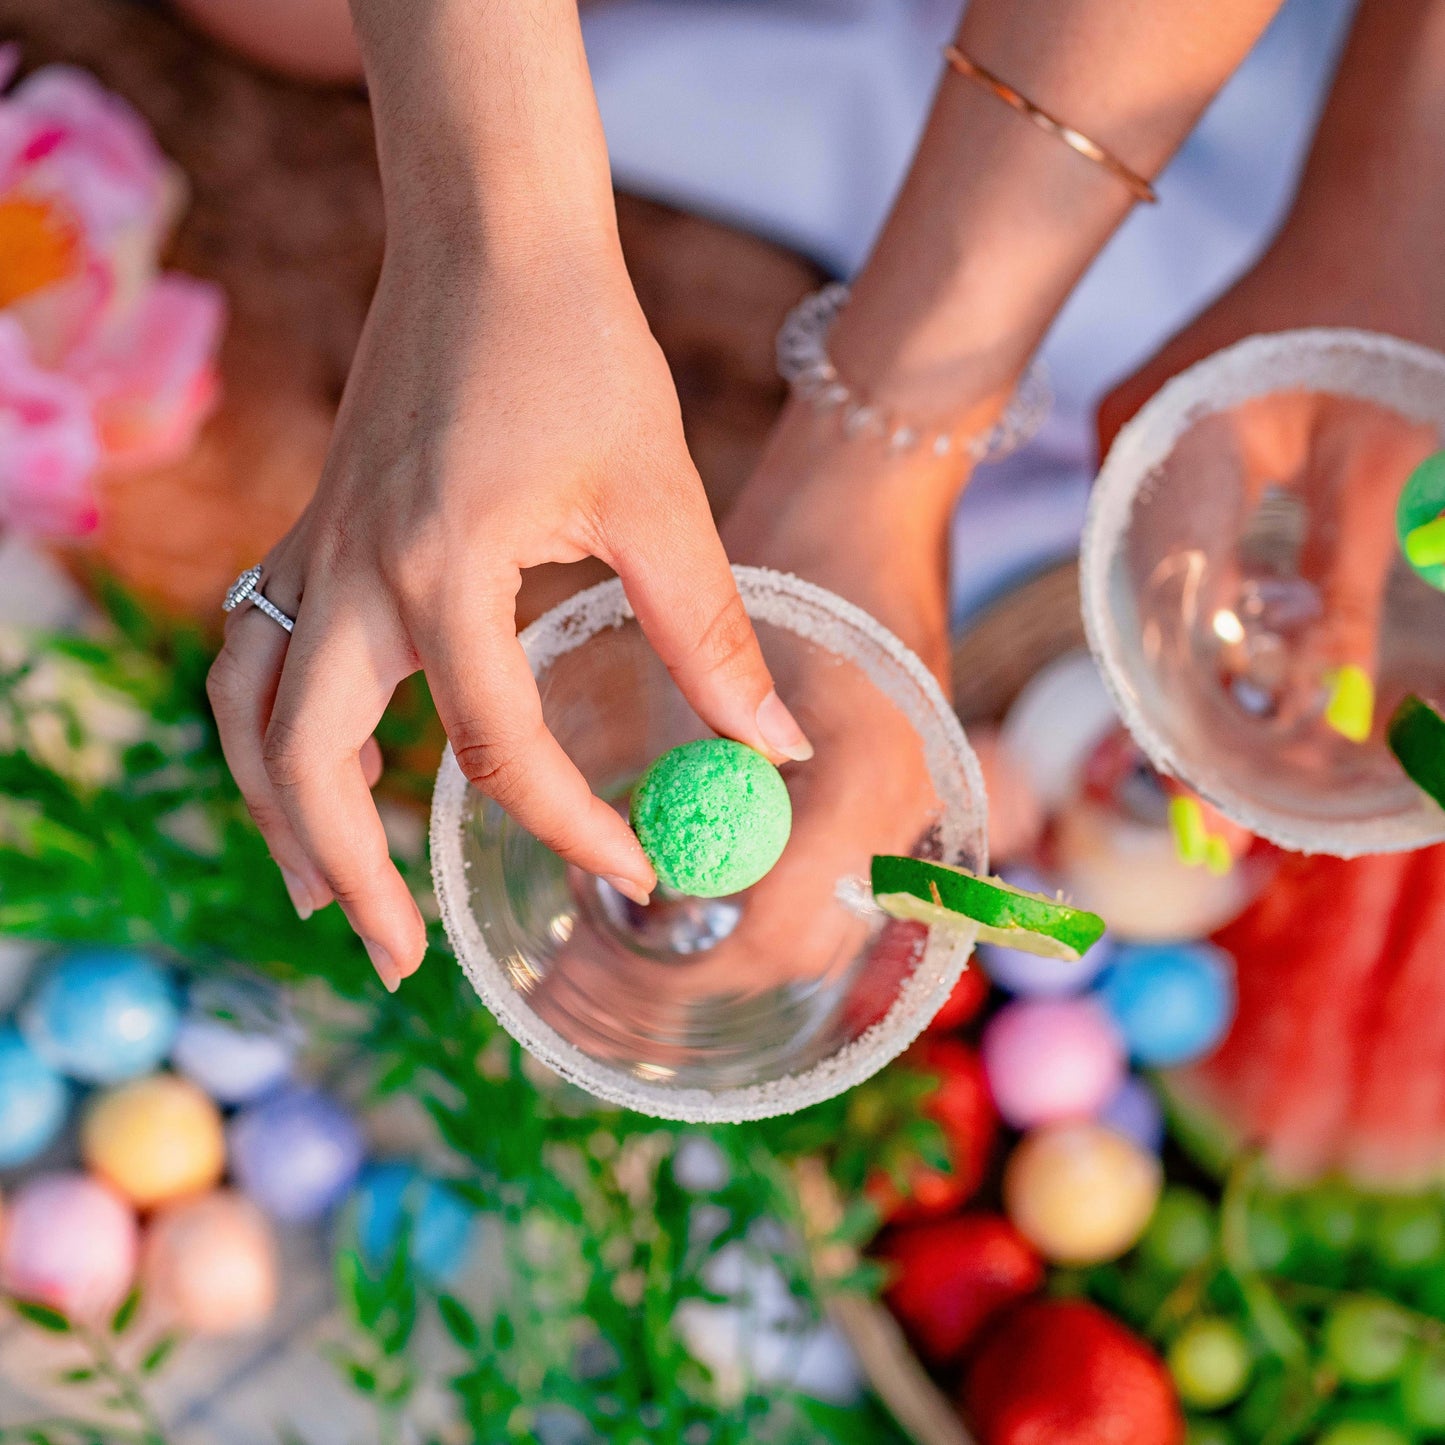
(247, 588)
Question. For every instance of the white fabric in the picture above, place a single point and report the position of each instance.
(797, 119)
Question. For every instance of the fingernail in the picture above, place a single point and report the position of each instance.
(1351, 708)
(1218, 860)
(386, 969)
(1425, 544)
(300, 893)
(779, 729)
(628, 889)
(1186, 822)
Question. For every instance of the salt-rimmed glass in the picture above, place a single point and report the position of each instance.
(733, 1008)
(1209, 571)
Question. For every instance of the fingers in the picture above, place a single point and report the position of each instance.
(487, 699)
(318, 756)
(680, 585)
(241, 686)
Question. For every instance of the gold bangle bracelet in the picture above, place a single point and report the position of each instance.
(1138, 186)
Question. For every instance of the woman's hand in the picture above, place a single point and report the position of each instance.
(499, 415)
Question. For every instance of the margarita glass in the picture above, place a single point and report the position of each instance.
(739, 1007)
(1240, 556)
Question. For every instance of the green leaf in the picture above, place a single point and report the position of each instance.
(459, 1321)
(361, 1377)
(42, 1317)
(80, 1375)
(124, 1317)
(158, 1354)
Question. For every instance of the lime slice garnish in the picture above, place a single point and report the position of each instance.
(935, 893)
(1417, 737)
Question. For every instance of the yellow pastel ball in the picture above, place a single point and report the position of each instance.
(209, 1264)
(154, 1139)
(1080, 1192)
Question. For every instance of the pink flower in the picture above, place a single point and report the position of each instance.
(49, 449)
(87, 200)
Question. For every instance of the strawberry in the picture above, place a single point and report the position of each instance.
(1062, 1372)
(964, 1110)
(952, 1275)
(964, 1002)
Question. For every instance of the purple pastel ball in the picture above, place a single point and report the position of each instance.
(297, 1153)
(1135, 1112)
(1052, 1059)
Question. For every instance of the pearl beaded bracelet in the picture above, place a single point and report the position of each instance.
(803, 362)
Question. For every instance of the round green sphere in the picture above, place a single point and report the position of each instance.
(712, 816)
(1367, 1340)
(1210, 1363)
(1422, 500)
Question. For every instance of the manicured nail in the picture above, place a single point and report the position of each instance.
(1217, 857)
(1425, 544)
(1186, 823)
(300, 893)
(1351, 708)
(628, 889)
(386, 969)
(779, 729)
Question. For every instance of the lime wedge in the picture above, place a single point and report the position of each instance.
(1417, 737)
(934, 893)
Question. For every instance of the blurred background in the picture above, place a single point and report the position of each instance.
(246, 1197)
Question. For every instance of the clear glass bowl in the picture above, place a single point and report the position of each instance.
(732, 1008)
(1240, 545)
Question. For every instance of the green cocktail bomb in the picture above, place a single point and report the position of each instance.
(1420, 520)
(712, 816)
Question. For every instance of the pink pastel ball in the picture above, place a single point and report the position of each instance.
(209, 1264)
(70, 1243)
(1052, 1058)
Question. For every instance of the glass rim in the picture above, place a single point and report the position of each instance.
(564, 629)
(1341, 361)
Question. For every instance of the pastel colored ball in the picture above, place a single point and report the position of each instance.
(1172, 1002)
(102, 1015)
(70, 1243)
(1080, 1192)
(442, 1223)
(1050, 1059)
(1135, 1112)
(209, 1264)
(296, 1153)
(712, 816)
(34, 1100)
(154, 1139)
(233, 1065)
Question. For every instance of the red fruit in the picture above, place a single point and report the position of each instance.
(964, 1110)
(953, 1275)
(1062, 1372)
(964, 1002)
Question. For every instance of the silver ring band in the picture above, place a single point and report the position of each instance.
(247, 588)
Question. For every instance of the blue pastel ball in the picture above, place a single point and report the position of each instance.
(442, 1223)
(1135, 1112)
(296, 1153)
(102, 1015)
(1173, 1002)
(34, 1100)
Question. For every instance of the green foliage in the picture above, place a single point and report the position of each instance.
(132, 832)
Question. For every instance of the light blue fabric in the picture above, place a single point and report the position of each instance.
(797, 118)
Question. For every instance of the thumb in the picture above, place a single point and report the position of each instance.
(677, 578)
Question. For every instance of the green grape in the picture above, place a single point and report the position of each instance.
(1210, 1363)
(1407, 1234)
(1366, 1339)
(1208, 1432)
(1330, 1218)
(1362, 1432)
(1422, 1388)
(1181, 1233)
(1271, 1240)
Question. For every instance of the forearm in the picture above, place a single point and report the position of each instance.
(997, 219)
(1373, 190)
(487, 127)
